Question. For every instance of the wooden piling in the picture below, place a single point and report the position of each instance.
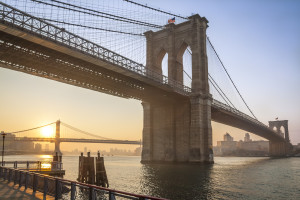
(90, 173)
(101, 177)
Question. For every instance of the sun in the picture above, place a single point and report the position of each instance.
(47, 131)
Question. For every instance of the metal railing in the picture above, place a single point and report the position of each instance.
(64, 189)
(17, 18)
(223, 106)
(33, 165)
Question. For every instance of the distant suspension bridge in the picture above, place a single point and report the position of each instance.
(47, 133)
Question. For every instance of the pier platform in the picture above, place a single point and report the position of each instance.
(9, 191)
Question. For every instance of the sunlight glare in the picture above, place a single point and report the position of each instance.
(47, 131)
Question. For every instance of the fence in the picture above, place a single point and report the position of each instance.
(65, 189)
(34, 165)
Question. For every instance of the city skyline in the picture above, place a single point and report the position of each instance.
(257, 41)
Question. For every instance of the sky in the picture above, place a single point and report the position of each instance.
(257, 40)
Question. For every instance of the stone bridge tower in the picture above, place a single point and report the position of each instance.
(179, 131)
(280, 148)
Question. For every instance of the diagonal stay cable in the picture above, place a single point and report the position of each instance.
(32, 128)
(216, 86)
(212, 79)
(90, 27)
(84, 132)
(230, 78)
(218, 91)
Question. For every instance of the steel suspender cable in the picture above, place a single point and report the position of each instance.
(230, 78)
(145, 6)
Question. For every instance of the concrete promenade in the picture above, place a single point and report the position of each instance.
(11, 191)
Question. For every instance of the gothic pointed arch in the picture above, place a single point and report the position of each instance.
(184, 63)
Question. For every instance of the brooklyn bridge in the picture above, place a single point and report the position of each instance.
(178, 106)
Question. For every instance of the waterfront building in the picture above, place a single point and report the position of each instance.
(248, 147)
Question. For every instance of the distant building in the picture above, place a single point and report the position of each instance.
(247, 138)
(38, 147)
(46, 147)
(227, 137)
(229, 147)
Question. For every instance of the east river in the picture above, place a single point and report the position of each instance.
(229, 178)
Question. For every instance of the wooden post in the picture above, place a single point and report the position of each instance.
(101, 177)
(86, 171)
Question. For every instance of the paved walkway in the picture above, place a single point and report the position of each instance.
(13, 192)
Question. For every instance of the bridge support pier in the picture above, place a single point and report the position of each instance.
(178, 132)
(280, 149)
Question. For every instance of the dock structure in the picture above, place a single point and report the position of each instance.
(92, 170)
(52, 168)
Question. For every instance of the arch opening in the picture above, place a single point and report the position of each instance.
(184, 65)
(282, 131)
(164, 65)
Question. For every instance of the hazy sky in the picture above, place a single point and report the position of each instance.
(258, 41)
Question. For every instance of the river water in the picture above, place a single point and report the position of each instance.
(229, 178)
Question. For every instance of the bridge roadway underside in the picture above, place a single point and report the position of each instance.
(234, 120)
(44, 61)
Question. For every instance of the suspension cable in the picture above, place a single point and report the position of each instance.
(230, 78)
(117, 18)
(212, 79)
(219, 92)
(215, 84)
(145, 6)
(32, 128)
(90, 27)
(84, 132)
